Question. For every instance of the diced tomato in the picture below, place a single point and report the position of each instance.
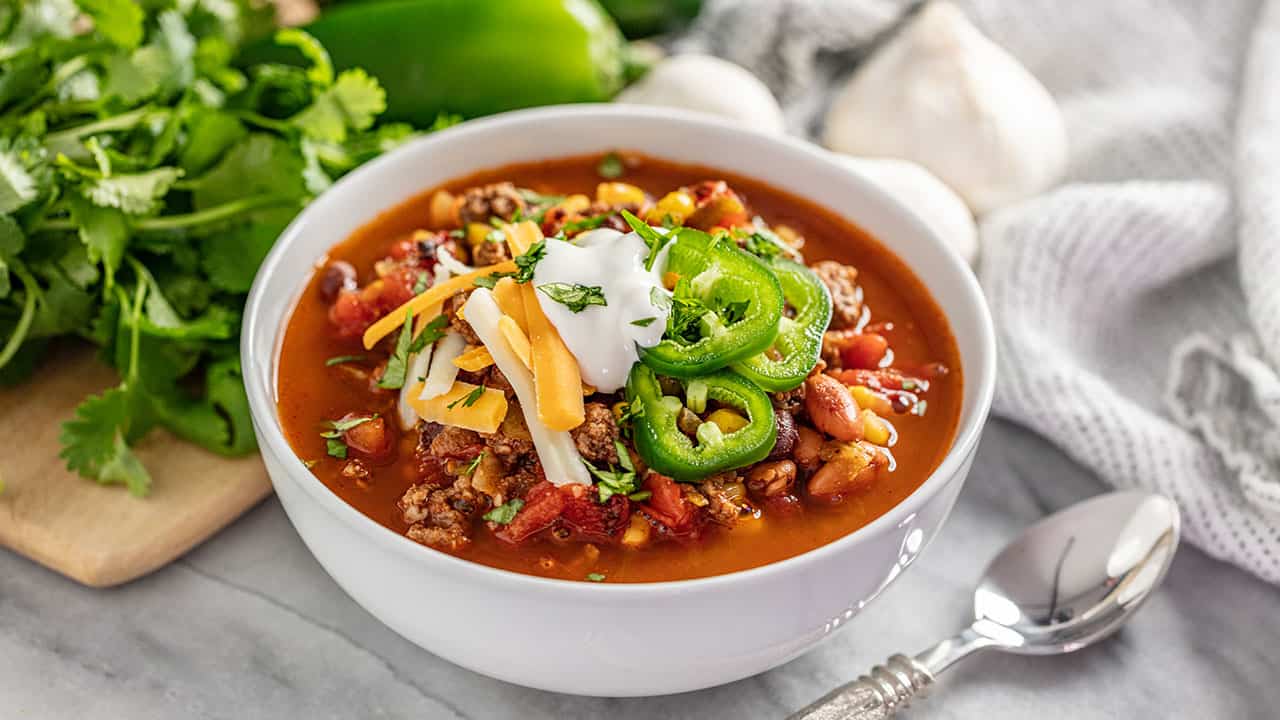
(397, 288)
(351, 315)
(585, 515)
(542, 507)
(667, 504)
(864, 351)
(372, 439)
(402, 249)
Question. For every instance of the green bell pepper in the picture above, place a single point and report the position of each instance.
(726, 307)
(471, 57)
(666, 449)
(799, 338)
(641, 18)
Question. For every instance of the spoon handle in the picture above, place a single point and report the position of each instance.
(878, 695)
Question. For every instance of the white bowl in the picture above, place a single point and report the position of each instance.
(602, 639)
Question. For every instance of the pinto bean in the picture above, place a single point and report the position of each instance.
(808, 449)
(771, 479)
(831, 408)
(852, 468)
(337, 276)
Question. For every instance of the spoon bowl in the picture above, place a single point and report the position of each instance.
(1066, 582)
(1075, 577)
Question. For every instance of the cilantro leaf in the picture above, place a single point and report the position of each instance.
(105, 233)
(93, 442)
(574, 296)
(528, 260)
(475, 463)
(350, 104)
(504, 513)
(761, 245)
(340, 359)
(321, 70)
(610, 166)
(119, 21)
(433, 331)
(136, 194)
(469, 399)
(620, 480)
(652, 238)
(393, 375)
(595, 577)
(587, 223)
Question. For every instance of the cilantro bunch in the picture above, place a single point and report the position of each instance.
(143, 177)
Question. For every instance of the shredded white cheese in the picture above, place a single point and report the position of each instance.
(560, 459)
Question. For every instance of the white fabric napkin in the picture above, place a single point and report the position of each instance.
(1137, 303)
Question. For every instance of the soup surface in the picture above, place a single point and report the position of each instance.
(889, 376)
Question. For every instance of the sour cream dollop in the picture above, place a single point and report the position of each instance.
(604, 338)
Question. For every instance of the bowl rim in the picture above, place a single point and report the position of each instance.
(980, 379)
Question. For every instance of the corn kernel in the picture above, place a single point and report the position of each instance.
(616, 193)
(575, 204)
(443, 210)
(875, 430)
(477, 233)
(637, 533)
(619, 408)
(669, 280)
(677, 205)
(869, 399)
(727, 420)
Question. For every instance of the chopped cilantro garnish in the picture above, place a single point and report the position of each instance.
(475, 463)
(504, 513)
(586, 223)
(611, 166)
(398, 364)
(469, 399)
(574, 296)
(422, 282)
(527, 261)
(643, 322)
(616, 480)
(760, 245)
(595, 577)
(687, 311)
(333, 436)
(340, 359)
(433, 331)
(525, 264)
(652, 238)
(488, 281)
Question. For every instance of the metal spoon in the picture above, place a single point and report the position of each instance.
(1068, 581)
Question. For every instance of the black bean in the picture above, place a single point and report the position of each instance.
(787, 435)
(336, 277)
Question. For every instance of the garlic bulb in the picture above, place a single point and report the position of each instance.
(941, 94)
(707, 84)
(931, 200)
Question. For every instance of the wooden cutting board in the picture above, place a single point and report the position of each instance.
(102, 535)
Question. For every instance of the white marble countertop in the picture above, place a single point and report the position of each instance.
(248, 626)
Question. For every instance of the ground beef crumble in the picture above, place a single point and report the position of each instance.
(846, 296)
(500, 200)
(596, 435)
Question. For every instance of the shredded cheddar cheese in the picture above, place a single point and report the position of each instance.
(435, 294)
